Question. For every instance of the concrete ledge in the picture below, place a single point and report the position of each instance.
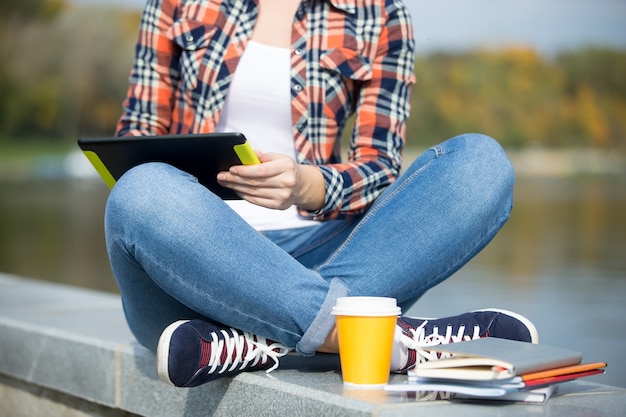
(69, 349)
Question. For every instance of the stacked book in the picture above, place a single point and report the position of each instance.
(498, 369)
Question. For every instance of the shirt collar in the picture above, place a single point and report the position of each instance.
(348, 6)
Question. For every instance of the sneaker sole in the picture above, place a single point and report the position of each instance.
(534, 335)
(163, 351)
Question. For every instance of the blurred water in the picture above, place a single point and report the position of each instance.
(559, 260)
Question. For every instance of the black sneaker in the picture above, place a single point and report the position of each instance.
(191, 353)
(418, 334)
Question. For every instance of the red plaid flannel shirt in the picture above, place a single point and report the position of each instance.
(347, 56)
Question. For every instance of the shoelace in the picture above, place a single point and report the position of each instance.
(228, 352)
(419, 340)
(264, 350)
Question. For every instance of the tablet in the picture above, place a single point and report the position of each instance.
(201, 155)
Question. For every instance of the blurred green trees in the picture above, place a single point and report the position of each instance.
(64, 69)
(64, 73)
(575, 99)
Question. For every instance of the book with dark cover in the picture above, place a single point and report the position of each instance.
(495, 359)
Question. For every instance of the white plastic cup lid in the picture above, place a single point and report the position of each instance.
(366, 306)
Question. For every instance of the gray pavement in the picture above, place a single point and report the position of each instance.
(75, 343)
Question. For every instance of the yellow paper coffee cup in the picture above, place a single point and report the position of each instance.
(365, 329)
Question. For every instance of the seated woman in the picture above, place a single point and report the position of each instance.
(216, 288)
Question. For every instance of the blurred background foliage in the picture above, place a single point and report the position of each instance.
(64, 69)
(577, 98)
(64, 74)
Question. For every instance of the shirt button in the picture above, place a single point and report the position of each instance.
(298, 51)
(189, 38)
(297, 87)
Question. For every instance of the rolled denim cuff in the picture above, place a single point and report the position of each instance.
(316, 334)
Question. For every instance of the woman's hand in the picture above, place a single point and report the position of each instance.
(278, 182)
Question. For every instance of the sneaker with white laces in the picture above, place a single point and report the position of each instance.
(415, 335)
(191, 353)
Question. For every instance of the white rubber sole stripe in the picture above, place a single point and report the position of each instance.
(163, 351)
(534, 335)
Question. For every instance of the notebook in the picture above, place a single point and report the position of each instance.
(492, 359)
(202, 155)
(492, 368)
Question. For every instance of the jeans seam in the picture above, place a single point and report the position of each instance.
(380, 204)
(471, 252)
(319, 242)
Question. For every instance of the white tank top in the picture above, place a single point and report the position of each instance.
(258, 104)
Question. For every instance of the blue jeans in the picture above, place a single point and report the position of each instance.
(178, 252)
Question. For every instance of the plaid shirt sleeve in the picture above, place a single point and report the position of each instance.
(148, 105)
(382, 108)
(359, 57)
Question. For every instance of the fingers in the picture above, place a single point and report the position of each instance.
(269, 184)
